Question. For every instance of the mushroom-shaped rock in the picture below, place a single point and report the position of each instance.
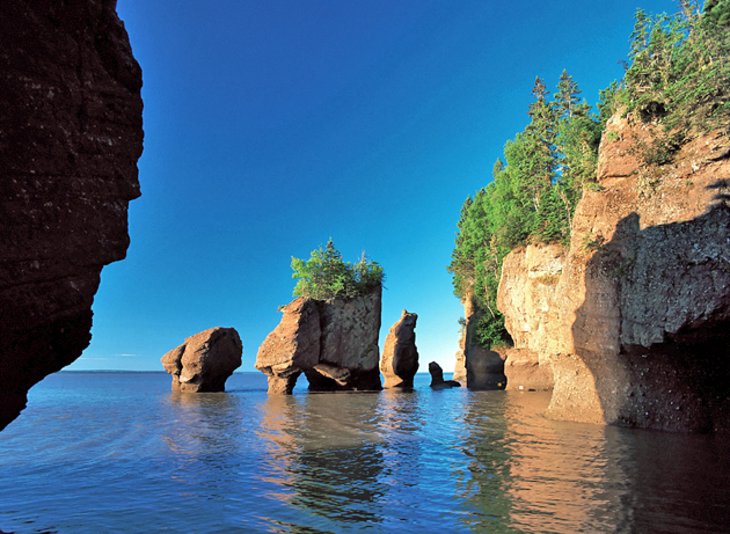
(205, 361)
(437, 378)
(334, 342)
(291, 347)
(400, 356)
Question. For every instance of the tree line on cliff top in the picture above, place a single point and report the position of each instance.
(677, 76)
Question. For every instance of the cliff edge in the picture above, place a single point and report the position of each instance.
(635, 326)
(70, 137)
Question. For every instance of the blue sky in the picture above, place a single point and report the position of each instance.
(271, 125)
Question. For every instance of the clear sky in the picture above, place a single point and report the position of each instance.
(271, 125)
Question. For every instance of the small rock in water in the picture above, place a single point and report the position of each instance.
(437, 378)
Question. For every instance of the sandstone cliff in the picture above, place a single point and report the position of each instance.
(70, 137)
(636, 328)
(335, 343)
(527, 298)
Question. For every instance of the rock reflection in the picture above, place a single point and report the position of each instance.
(482, 487)
(202, 436)
(326, 459)
(558, 471)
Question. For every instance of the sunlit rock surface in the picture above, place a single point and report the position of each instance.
(335, 343)
(399, 363)
(205, 361)
(637, 328)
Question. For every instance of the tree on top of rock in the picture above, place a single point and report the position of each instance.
(326, 276)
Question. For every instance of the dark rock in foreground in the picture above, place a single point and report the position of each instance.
(70, 137)
(205, 361)
(437, 378)
(400, 356)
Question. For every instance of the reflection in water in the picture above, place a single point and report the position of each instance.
(202, 437)
(454, 460)
(325, 457)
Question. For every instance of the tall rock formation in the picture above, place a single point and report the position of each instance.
(638, 327)
(526, 297)
(205, 361)
(70, 137)
(335, 343)
(477, 367)
(399, 363)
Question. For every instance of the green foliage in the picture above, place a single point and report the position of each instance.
(325, 276)
(530, 200)
(678, 75)
(679, 71)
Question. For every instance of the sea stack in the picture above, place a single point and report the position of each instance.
(437, 378)
(205, 361)
(399, 363)
(334, 342)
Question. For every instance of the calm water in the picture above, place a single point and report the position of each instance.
(110, 452)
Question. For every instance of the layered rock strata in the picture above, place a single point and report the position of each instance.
(526, 297)
(335, 343)
(638, 328)
(204, 361)
(399, 363)
(70, 137)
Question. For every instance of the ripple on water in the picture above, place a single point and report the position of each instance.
(99, 452)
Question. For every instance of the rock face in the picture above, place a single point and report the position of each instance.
(477, 367)
(526, 296)
(205, 361)
(437, 378)
(335, 343)
(70, 137)
(638, 327)
(400, 356)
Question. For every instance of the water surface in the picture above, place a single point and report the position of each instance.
(110, 452)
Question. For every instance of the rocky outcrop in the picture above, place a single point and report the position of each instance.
(292, 347)
(399, 363)
(638, 329)
(437, 378)
(335, 343)
(70, 137)
(526, 297)
(205, 361)
(476, 366)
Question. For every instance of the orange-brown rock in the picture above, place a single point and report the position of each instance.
(70, 137)
(526, 296)
(399, 363)
(205, 361)
(639, 327)
(292, 346)
(335, 343)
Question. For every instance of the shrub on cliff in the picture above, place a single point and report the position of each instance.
(325, 276)
(530, 200)
(679, 68)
